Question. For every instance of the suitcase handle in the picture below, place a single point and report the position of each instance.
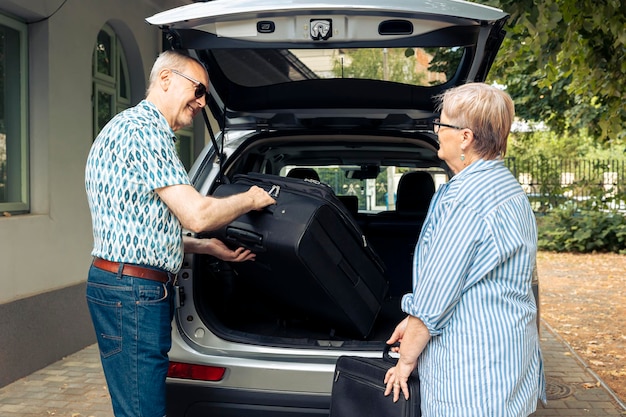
(245, 238)
(274, 191)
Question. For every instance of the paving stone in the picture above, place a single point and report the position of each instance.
(75, 387)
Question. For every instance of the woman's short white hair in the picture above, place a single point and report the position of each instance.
(486, 110)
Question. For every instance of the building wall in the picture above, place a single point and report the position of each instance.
(45, 255)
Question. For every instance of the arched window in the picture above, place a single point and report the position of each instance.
(111, 84)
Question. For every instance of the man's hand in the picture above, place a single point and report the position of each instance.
(260, 198)
(223, 252)
(217, 248)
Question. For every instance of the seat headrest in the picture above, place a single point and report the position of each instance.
(351, 202)
(303, 173)
(415, 190)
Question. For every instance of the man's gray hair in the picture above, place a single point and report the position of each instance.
(169, 60)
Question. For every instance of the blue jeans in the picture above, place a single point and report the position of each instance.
(132, 319)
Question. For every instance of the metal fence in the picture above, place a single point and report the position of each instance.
(549, 183)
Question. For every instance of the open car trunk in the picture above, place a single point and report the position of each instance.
(235, 310)
(305, 287)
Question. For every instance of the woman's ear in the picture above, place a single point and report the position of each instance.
(467, 138)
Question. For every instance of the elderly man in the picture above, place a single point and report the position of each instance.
(140, 198)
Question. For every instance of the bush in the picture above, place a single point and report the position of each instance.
(571, 229)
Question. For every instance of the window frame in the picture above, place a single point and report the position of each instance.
(110, 83)
(103, 88)
(184, 146)
(21, 204)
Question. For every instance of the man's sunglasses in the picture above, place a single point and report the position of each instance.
(200, 88)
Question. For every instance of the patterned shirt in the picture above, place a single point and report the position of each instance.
(131, 157)
(472, 289)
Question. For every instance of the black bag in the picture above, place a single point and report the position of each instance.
(312, 261)
(358, 389)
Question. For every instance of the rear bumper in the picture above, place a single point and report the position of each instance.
(194, 400)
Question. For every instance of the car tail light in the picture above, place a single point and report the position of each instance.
(197, 372)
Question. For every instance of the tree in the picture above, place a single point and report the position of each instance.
(387, 64)
(563, 63)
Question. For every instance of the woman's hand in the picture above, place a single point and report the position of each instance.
(413, 335)
(398, 333)
(397, 380)
(394, 379)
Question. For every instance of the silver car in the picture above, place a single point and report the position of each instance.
(341, 93)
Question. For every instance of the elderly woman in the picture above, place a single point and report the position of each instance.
(471, 325)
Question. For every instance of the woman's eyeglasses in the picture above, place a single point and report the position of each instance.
(200, 88)
(437, 125)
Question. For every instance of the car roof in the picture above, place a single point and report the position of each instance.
(285, 64)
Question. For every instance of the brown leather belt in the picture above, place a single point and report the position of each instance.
(131, 270)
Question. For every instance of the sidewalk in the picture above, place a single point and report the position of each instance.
(75, 387)
(573, 388)
(71, 387)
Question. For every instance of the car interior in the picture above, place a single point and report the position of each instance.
(236, 309)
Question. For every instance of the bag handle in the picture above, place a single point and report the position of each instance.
(387, 353)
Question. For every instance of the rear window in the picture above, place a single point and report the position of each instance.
(406, 65)
(373, 194)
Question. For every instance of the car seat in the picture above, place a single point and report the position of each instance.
(394, 234)
(303, 173)
(415, 190)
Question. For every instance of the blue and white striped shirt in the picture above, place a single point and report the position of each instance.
(472, 278)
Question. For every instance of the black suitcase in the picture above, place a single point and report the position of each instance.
(311, 258)
(358, 389)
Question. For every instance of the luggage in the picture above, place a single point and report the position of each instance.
(311, 258)
(358, 389)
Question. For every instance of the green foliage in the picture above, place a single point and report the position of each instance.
(562, 62)
(544, 143)
(575, 144)
(568, 229)
(445, 60)
(541, 157)
(392, 64)
(591, 184)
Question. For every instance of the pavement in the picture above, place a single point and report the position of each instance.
(75, 387)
